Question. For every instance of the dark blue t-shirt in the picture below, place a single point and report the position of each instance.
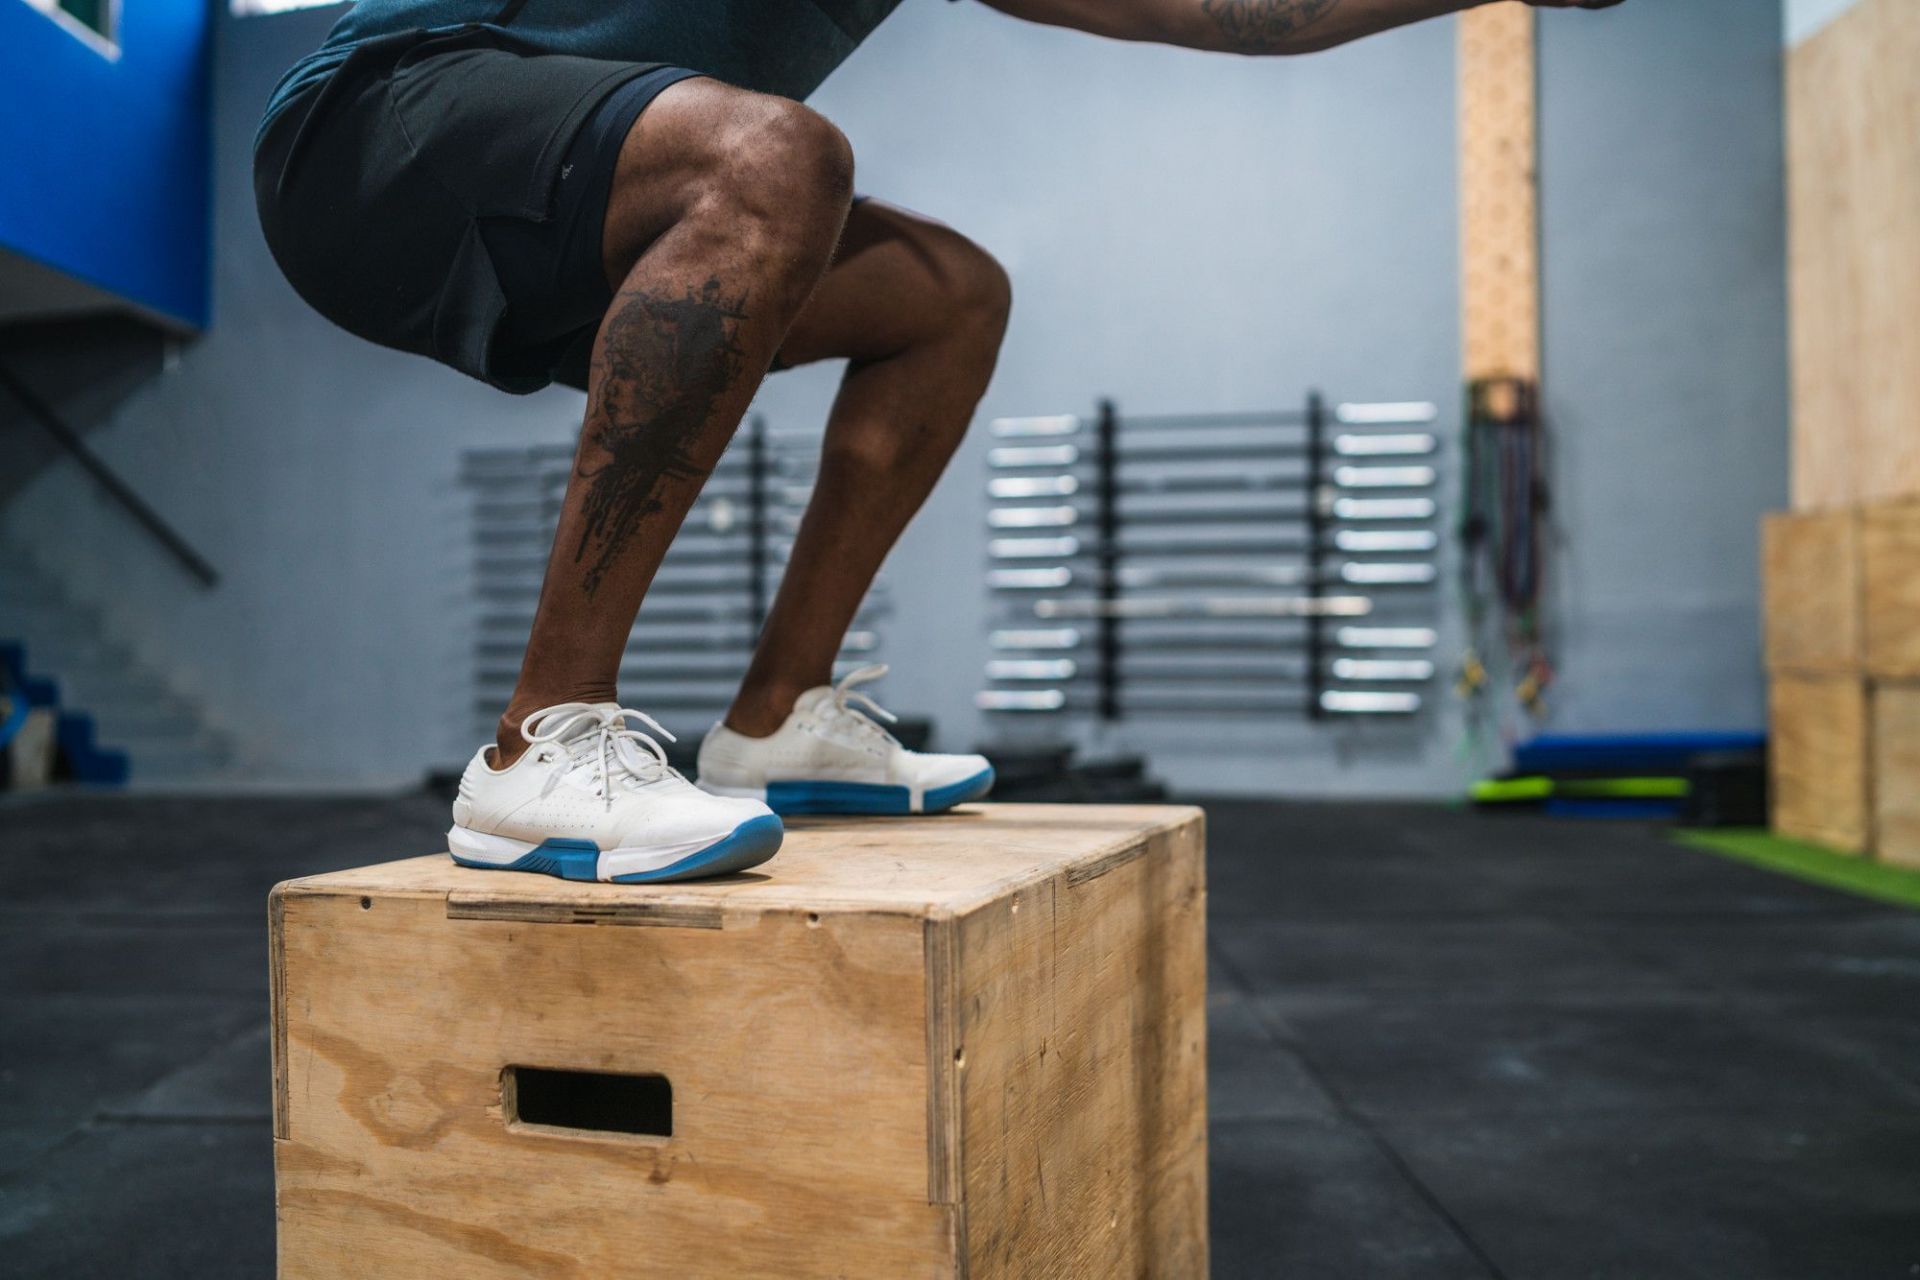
(784, 47)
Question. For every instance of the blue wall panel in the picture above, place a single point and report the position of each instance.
(104, 163)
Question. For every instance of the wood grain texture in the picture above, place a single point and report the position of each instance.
(1812, 592)
(1499, 194)
(795, 1050)
(1890, 575)
(1082, 1063)
(1853, 129)
(816, 1023)
(277, 1007)
(920, 865)
(1896, 773)
(1819, 756)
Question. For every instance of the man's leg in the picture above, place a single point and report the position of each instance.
(725, 210)
(920, 311)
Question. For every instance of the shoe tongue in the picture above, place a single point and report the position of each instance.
(585, 727)
(813, 699)
(588, 730)
(636, 759)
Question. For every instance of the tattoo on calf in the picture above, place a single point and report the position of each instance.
(657, 381)
(1264, 26)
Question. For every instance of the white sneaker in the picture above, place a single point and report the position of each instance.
(593, 799)
(831, 758)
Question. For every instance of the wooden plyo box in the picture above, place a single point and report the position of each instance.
(966, 1045)
(1853, 185)
(1819, 760)
(1890, 573)
(1896, 773)
(1812, 581)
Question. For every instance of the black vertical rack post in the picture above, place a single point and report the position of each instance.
(757, 523)
(1316, 514)
(1109, 559)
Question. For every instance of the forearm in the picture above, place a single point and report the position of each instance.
(1265, 27)
(1234, 26)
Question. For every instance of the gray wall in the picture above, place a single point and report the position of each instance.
(1184, 233)
(1665, 362)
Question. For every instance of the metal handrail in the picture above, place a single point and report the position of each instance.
(136, 506)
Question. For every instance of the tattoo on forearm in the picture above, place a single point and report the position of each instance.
(1265, 26)
(657, 384)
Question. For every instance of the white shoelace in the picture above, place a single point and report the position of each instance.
(599, 735)
(845, 695)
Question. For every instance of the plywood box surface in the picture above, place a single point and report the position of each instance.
(1896, 773)
(971, 1044)
(1853, 115)
(1890, 572)
(1819, 759)
(1813, 592)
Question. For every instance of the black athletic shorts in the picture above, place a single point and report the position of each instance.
(444, 193)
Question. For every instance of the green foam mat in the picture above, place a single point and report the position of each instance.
(1522, 790)
(1813, 862)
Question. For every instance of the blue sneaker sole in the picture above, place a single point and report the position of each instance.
(751, 843)
(867, 798)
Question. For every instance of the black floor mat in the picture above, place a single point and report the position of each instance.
(1442, 1044)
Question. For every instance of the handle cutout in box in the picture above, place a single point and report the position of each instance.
(591, 1101)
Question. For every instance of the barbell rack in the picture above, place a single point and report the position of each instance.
(1272, 562)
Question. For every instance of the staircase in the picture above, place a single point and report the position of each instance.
(118, 720)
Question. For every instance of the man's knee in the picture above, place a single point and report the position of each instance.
(780, 171)
(989, 294)
(747, 177)
(976, 291)
(794, 151)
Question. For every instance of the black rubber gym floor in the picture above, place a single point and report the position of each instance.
(1442, 1045)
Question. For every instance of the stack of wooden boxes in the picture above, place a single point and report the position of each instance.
(1843, 643)
(1843, 569)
